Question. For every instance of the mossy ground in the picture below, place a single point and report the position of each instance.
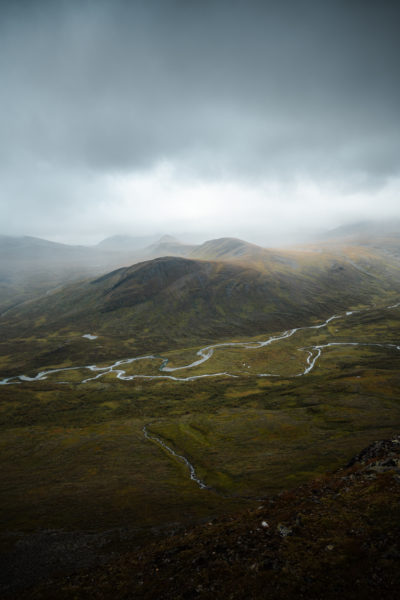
(74, 457)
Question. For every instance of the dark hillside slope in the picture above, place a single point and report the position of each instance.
(30, 267)
(336, 537)
(170, 302)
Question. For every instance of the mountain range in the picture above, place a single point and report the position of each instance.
(227, 288)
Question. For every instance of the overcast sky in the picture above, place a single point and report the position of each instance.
(244, 118)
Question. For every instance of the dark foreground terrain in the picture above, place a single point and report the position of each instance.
(336, 537)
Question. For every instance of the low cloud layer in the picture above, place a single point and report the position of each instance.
(222, 116)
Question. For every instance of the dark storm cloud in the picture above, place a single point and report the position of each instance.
(221, 88)
(125, 84)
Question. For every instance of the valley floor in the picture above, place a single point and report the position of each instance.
(82, 482)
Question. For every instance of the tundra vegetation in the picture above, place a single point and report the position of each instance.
(74, 457)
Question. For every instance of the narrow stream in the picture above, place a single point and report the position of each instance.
(192, 470)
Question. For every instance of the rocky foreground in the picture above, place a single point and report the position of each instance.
(337, 537)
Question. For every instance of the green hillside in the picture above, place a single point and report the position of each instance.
(173, 302)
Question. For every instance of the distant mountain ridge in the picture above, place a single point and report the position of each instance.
(30, 267)
(172, 302)
(167, 245)
(228, 248)
(366, 229)
(121, 243)
(28, 246)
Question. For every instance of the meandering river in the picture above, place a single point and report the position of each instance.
(313, 354)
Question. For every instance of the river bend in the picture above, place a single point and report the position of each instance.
(313, 354)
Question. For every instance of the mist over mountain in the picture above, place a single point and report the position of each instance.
(32, 266)
(199, 299)
(221, 288)
(364, 229)
(126, 242)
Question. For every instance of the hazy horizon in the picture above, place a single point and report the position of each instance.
(256, 120)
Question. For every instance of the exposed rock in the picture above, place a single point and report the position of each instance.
(380, 449)
(283, 530)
